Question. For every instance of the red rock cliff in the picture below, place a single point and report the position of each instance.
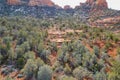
(102, 3)
(97, 4)
(67, 7)
(32, 2)
(13, 2)
(41, 2)
(90, 2)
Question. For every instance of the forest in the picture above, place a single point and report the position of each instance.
(57, 49)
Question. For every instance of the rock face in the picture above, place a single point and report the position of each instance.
(89, 9)
(93, 4)
(13, 2)
(97, 4)
(67, 7)
(90, 2)
(41, 2)
(31, 2)
(110, 21)
(102, 3)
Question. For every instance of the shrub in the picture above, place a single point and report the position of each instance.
(9, 78)
(64, 77)
(11, 54)
(25, 46)
(44, 73)
(1, 58)
(20, 63)
(118, 51)
(29, 69)
(115, 71)
(67, 69)
(100, 76)
(80, 73)
(29, 55)
(39, 62)
(108, 45)
(97, 51)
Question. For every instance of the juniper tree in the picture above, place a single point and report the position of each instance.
(44, 73)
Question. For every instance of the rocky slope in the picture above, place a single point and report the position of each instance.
(107, 22)
(97, 4)
(31, 2)
(91, 7)
(102, 4)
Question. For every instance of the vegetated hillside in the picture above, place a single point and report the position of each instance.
(34, 8)
(57, 49)
(91, 11)
(88, 12)
(41, 41)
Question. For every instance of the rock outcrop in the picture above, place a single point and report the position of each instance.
(31, 2)
(41, 2)
(97, 4)
(110, 21)
(13, 2)
(90, 2)
(102, 4)
(66, 7)
(91, 10)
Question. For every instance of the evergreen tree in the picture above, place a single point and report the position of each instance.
(44, 73)
(30, 69)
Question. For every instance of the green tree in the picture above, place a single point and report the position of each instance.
(39, 62)
(100, 76)
(19, 51)
(53, 46)
(11, 54)
(64, 77)
(9, 78)
(20, 63)
(80, 73)
(7, 40)
(45, 55)
(30, 68)
(97, 51)
(115, 71)
(25, 46)
(29, 55)
(40, 47)
(1, 58)
(44, 73)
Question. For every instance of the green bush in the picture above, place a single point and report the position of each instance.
(44, 73)
(80, 73)
(115, 71)
(9, 78)
(64, 77)
(20, 63)
(29, 69)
